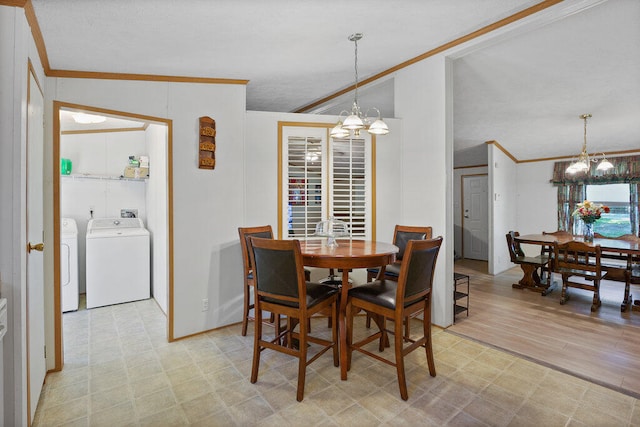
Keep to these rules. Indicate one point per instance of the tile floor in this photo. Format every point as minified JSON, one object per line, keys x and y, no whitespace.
{"x":120,"y":371}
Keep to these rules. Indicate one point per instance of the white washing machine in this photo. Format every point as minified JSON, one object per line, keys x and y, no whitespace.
{"x":118,"y":261}
{"x":69,"y":264}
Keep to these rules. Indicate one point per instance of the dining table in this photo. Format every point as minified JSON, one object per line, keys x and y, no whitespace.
{"x":348,"y":254}
{"x":611,"y":248}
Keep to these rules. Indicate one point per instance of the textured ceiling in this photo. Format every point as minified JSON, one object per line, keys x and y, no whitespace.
{"x":524,"y":91}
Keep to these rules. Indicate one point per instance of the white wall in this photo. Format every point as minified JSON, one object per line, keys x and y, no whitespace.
{"x":207,"y":203}
{"x":157,"y":218}
{"x":93,"y":156}
{"x":422,"y":100}
{"x":16,"y":49}
{"x":502,"y":208}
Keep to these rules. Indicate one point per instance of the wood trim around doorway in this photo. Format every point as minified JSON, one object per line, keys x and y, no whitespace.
{"x":57,"y":106}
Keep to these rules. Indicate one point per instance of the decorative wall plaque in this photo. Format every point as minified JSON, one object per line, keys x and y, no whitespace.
{"x":207,"y":143}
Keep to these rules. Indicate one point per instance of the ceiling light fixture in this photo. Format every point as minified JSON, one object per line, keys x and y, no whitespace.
{"x":583,"y":164}
{"x":356,"y":120}
{"x":84,"y":118}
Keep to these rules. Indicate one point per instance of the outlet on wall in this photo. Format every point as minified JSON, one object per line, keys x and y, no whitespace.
{"x":205,"y":304}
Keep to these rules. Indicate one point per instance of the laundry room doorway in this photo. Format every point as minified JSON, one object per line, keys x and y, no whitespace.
{"x":113,"y":167}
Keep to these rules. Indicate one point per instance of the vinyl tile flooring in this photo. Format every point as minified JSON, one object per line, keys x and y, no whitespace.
{"x":120,"y":371}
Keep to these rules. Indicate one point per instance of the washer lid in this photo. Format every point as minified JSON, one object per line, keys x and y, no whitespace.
{"x":114,"y":227}
{"x":119,"y":223}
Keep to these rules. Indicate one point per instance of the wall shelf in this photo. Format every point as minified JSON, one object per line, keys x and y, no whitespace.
{"x":85,"y":176}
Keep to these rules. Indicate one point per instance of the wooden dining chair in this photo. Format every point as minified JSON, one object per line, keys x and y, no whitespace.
{"x":401,"y":236}
{"x":281,"y":288}
{"x":264,"y":231}
{"x":621,"y":267}
{"x":547,"y":250}
{"x":529,"y":264}
{"x":579,"y":259}
{"x":398,"y":300}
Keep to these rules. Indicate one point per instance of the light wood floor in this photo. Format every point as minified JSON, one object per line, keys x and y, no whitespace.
{"x":603,"y":347}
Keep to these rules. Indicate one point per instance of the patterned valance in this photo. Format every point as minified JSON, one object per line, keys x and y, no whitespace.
{"x":626,"y":169}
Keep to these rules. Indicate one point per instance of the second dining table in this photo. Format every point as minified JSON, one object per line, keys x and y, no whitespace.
{"x":347,"y":255}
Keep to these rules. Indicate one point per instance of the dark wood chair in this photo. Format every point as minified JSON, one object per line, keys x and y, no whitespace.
{"x":621,"y":267}
{"x":579,"y":259}
{"x":398,"y":300}
{"x":281,"y":288}
{"x":529,"y":264}
{"x":264,"y":231}
{"x":401,"y":236}
{"x":547,"y":250}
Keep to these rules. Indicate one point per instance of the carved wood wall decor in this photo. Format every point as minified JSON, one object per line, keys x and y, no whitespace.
{"x":207,"y":142}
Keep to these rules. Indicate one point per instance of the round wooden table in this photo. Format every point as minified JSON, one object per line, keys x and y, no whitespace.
{"x":349,"y":254}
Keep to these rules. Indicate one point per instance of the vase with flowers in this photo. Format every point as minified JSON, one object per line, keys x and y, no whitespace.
{"x":589,"y":212}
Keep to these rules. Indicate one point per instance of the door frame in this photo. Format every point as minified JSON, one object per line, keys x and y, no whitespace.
{"x":462,"y":221}
{"x":57,"y":303}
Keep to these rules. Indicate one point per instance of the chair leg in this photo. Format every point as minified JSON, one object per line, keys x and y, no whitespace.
{"x":628,"y":298}
{"x":596,"y":296}
{"x":398,"y":344}
{"x":426,"y":327}
{"x":349,"y":321}
{"x":255,"y":366}
{"x":334,"y":334}
{"x":245,"y":314}
{"x":302,"y":360}
{"x":564,"y":296}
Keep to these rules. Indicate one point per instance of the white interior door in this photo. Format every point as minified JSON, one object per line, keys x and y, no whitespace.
{"x":475,"y":217}
{"x":36,"y":366}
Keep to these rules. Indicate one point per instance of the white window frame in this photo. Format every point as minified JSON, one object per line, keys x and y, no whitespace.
{"x":321,"y":132}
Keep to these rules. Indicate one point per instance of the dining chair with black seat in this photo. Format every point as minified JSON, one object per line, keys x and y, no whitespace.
{"x":529,"y":264}
{"x":579,"y":259}
{"x":264,"y":231}
{"x":281,"y":288}
{"x":398,"y":300}
{"x":401,"y":236}
{"x":620,"y":267}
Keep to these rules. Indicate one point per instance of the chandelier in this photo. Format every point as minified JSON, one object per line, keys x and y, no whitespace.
{"x":355,"y":120}
{"x":583,"y":163}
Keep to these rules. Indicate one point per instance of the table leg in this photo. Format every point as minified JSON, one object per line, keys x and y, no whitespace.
{"x":342,"y":323}
{"x":530,"y":280}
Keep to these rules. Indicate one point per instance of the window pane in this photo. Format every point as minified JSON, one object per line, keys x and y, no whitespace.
{"x":616,"y":196}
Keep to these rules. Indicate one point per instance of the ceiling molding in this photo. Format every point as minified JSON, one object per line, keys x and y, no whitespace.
{"x":547,"y":159}
{"x":145,"y":77}
{"x":14,"y":3}
{"x":30,"y":13}
{"x":44,"y":59}
{"x":460,"y":40}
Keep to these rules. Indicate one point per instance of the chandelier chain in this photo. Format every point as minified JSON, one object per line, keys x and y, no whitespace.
{"x":356,"y":69}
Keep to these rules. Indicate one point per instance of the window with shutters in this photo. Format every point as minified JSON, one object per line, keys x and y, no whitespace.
{"x":323,"y":177}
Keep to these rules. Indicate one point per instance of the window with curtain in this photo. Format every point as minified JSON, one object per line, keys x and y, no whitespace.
{"x":324,"y":177}
{"x":574,"y":188}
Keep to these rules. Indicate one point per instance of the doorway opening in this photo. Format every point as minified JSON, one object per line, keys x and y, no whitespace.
{"x":97,"y":155}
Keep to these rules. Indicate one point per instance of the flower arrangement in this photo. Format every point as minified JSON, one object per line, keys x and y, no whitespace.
{"x":590,"y":212}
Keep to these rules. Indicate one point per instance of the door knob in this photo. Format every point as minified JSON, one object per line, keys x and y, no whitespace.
{"x":37,"y":247}
{"x":466,"y":216}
